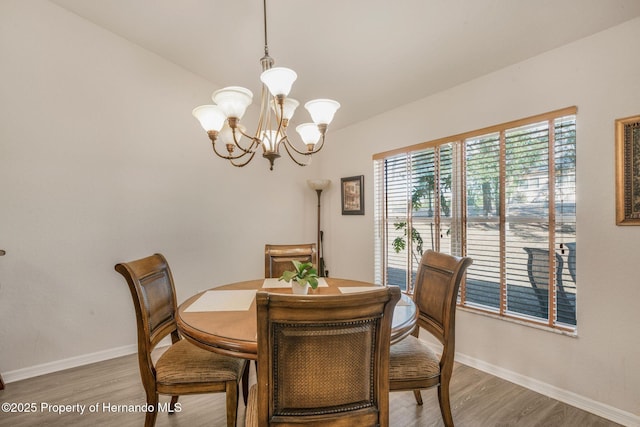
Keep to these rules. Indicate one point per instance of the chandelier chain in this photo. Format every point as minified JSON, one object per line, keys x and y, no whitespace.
{"x":264,"y":15}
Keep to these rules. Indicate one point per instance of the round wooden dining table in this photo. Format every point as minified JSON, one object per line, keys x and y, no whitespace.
{"x":223,"y":320}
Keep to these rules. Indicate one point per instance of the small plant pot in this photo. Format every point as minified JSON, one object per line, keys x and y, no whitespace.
{"x":299,"y":290}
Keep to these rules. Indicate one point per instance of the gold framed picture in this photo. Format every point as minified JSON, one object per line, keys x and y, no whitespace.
{"x":628,"y":171}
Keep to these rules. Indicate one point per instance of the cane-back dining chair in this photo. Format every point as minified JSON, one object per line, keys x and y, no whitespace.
{"x":183,"y":368}
{"x":323,"y":359}
{"x":414,"y":365}
{"x":277,"y":258}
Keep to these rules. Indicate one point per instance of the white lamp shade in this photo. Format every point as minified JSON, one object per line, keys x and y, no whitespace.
{"x":270,"y":140}
{"x":210,"y":117}
{"x":322,"y":110}
{"x":226,"y":134}
{"x":233,"y":100}
{"x":318,"y":184}
{"x":309,"y":133}
{"x":279,"y":80}
{"x":288,"y":108}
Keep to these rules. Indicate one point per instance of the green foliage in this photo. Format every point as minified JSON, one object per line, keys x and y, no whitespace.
{"x":422,"y":196}
{"x":399,"y":243}
{"x":304,"y":273}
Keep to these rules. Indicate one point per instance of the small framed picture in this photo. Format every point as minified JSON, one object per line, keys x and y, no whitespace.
{"x":628,"y":171}
{"x":352,"y":195}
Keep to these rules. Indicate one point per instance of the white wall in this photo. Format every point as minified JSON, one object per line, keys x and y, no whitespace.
{"x":600,"y":75}
{"x":102,"y":162}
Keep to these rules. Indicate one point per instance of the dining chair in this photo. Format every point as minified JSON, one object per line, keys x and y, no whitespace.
{"x":183,"y":368}
{"x":277,"y":258}
{"x":413,"y":364}
{"x":1,"y":383}
{"x":323,"y":359}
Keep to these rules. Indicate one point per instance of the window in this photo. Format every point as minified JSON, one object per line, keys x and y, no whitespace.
{"x":505,"y":196}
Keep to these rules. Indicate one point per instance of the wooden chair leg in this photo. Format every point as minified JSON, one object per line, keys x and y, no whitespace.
{"x":172,"y":405}
{"x":232,"y":403}
{"x":418,"y":396}
{"x":445,"y":404}
{"x":1,"y":383}
{"x":150,"y":418}
{"x":245,"y":383}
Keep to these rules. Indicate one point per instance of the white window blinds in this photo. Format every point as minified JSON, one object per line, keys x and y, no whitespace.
{"x":505,"y":196}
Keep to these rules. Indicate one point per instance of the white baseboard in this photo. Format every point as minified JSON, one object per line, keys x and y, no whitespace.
{"x":72,"y":362}
{"x":602,"y":410}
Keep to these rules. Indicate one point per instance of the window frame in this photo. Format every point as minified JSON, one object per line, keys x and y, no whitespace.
{"x":459,"y":215}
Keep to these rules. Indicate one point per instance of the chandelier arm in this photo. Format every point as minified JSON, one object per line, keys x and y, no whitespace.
{"x":264,"y":111}
{"x":255,"y":142}
{"x":319,"y":147}
{"x":286,"y":147}
{"x":239,"y":165}
{"x":281,"y":121}
{"x":288,"y":143}
{"x":239,"y":156}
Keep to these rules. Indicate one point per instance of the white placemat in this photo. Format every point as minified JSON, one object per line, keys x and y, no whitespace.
{"x":275,"y":283}
{"x":239,"y":300}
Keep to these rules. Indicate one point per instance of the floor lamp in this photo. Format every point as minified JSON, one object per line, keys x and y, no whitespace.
{"x":319,"y":185}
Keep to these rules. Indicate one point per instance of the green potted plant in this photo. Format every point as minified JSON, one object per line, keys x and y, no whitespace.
{"x":304,"y":276}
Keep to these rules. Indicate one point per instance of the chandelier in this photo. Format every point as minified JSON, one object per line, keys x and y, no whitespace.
{"x":222,"y":120}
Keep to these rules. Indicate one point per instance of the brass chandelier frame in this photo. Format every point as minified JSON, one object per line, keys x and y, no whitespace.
{"x":271,"y":132}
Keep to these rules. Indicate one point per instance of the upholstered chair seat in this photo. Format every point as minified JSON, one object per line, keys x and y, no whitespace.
{"x":183,"y":362}
{"x":411,"y":359}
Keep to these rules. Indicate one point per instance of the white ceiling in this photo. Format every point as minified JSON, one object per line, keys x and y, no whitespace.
{"x":370,"y":55}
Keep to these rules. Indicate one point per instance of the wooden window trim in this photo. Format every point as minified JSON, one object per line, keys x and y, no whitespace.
{"x":471,"y":134}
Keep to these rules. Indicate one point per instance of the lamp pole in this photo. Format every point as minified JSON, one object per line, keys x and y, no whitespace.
{"x":318,"y":185}
{"x":320,"y":255}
